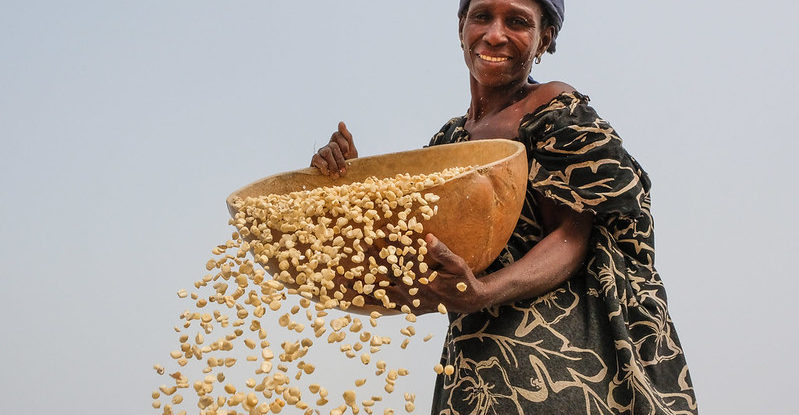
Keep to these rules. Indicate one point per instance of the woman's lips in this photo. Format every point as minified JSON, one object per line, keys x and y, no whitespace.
{"x":488,"y":58}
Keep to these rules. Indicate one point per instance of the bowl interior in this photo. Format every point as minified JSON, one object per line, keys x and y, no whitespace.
{"x":483,"y":153}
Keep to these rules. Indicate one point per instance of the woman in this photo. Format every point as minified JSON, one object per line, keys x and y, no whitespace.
{"x":572,"y":316}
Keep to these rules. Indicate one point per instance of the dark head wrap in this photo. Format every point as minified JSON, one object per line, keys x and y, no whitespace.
{"x":553,"y":8}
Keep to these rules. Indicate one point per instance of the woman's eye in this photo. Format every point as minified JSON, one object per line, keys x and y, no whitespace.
{"x":480,"y":17}
{"x":519,"y":22}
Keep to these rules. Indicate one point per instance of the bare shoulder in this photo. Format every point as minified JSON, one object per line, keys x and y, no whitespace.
{"x":543,"y":93}
{"x":554,"y":88}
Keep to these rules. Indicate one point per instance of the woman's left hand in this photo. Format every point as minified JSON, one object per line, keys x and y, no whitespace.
{"x":452,"y":270}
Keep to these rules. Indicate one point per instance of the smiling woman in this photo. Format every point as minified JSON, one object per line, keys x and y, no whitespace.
{"x":572,"y":316}
{"x":503,"y":41}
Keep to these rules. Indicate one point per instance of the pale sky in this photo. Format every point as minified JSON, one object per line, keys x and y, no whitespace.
{"x":126,"y":124}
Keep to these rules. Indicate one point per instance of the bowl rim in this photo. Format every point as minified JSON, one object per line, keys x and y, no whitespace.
{"x":314,"y":171}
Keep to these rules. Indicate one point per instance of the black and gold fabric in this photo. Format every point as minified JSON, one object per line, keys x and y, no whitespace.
{"x":601,"y":343}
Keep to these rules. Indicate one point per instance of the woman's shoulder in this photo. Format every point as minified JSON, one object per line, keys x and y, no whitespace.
{"x":557,"y":104}
{"x":577,"y":157}
{"x":545,"y":93}
{"x":554,"y":88}
{"x":451,"y":132}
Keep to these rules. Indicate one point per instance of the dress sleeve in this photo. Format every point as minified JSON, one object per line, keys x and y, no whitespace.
{"x":448,"y":133}
{"x":576,"y":158}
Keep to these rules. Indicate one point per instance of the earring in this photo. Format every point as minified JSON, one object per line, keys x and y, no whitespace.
{"x":537,"y":59}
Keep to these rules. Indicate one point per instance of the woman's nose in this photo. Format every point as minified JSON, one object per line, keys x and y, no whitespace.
{"x":495,"y":33}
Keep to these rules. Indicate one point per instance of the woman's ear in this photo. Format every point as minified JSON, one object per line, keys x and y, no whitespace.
{"x":546,"y":39}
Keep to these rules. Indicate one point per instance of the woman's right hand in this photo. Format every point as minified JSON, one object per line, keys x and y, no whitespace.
{"x":331,"y":159}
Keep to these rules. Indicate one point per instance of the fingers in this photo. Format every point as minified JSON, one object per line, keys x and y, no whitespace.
{"x":350,"y":151}
{"x":319,"y":162}
{"x":448,"y":260}
{"x":343,"y":139}
{"x":340,"y":142}
{"x":331,"y":159}
{"x":324,"y":157}
{"x":342,"y":128}
{"x":338,"y":156}
{"x":453,"y":273}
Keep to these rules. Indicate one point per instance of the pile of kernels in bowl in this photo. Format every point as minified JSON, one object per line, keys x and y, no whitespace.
{"x":334,"y":247}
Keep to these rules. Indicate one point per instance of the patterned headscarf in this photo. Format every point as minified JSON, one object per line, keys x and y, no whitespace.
{"x":554,"y":8}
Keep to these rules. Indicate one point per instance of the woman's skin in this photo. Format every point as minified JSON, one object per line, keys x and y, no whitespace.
{"x":500,"y":40}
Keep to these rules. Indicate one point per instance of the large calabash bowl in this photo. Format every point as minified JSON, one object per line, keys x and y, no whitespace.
{"x":477,"y":210}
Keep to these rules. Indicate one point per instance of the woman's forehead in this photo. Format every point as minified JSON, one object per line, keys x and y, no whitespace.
{"x":519,"y":4}
{"x":554,"y":8}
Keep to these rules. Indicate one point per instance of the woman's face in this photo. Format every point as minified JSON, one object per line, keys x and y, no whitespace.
{"x":501,"y":38}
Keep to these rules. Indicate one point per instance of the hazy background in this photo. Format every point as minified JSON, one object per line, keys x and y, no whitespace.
{"x":125,"y":124}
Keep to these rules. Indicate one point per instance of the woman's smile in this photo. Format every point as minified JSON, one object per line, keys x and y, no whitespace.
{"x":489,"y":58}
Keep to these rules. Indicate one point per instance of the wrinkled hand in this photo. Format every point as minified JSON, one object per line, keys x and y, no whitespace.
{"x":452,"y":269}
{"x":331,"y":159}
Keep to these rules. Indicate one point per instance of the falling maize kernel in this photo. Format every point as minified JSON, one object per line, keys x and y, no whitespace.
{"x":349,"y":397}
{"x":167,"y":390}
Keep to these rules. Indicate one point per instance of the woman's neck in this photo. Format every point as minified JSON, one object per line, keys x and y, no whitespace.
{"x":489,"y":101}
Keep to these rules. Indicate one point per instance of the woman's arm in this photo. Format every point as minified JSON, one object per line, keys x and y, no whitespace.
{"x":551,"y":262}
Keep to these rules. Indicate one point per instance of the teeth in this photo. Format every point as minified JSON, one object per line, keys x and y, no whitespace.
{"x":492,"y":58}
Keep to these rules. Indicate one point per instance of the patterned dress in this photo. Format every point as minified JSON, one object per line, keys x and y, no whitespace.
{"x":603,"y":341}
